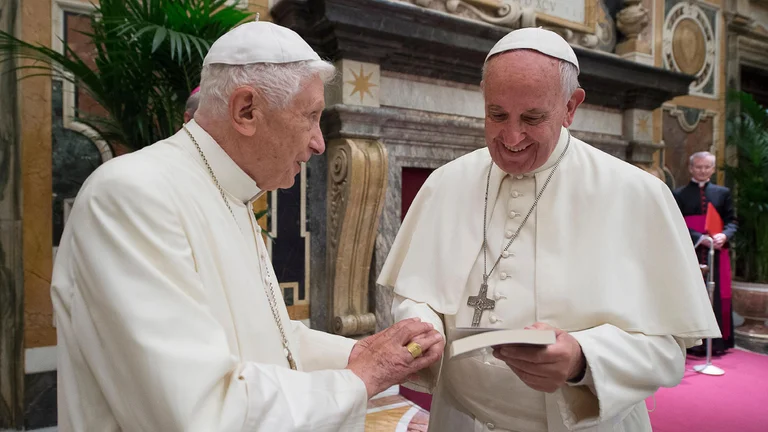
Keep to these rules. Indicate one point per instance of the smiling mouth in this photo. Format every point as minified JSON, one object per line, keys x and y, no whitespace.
{"x":517,"y":149}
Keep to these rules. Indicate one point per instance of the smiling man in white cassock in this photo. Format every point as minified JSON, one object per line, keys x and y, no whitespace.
{"x":577,"y":241}
{"x":169,"y":314}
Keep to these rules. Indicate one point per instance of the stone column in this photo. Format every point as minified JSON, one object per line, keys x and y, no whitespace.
{"x":638,"y":131}
{"x":11,"y":267}
{"x":345,"y":196}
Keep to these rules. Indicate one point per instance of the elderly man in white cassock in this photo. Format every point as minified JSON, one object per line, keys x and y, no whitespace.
{"x":550,"y":233}
{"x":169,"y":314}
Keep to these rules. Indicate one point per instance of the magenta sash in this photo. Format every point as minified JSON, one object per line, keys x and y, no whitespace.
{"x":696,"y":223}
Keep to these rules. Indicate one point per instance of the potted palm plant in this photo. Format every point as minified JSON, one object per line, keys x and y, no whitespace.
{"x":148,"y":57}
{"x":747,"y":130}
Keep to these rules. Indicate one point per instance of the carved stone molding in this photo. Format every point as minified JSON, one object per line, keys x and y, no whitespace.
{"x":490,"y":11}
{"x":631,"y":21}
{"x":406,"y":39}
{"x":752,"y":52}
{"x":596,"y":33}
{"x":688,"y":118}
{"x":357,"y":182}
{"x":640,"y":153}
{"x":401,"y":126}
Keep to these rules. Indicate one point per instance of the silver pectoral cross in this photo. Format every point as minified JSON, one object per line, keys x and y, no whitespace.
{"x":481,"y":303}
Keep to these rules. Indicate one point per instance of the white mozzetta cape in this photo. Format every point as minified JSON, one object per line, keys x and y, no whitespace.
{"x":610,"y":246}
{"x":163,"y":321}
{"x":606,"y":256}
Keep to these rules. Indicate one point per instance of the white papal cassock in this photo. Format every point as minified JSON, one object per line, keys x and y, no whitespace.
{"x":163,"y":320}
{"x":605,"y":256}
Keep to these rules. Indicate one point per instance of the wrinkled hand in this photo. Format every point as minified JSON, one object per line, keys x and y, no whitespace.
{"x":544,"y":368}
{"x":719,"y":240}
{"x":382,"y":360}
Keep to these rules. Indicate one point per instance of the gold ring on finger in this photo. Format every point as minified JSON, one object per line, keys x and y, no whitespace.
{"x":415,"y":349}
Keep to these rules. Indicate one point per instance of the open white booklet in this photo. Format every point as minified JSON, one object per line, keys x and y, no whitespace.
{"x":469,"y":339}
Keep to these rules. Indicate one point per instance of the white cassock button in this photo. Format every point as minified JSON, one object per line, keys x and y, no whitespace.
{"x":515,"y":194}
{"x":519,"y":177}
{"x":512,"y":214}
{"x":500,"y":296}
{"x":503,"y":275}
{"x":493,"y":319}
{"x":490,"y":426}
{"x":508,"y":233}
{"x":505,"y":254}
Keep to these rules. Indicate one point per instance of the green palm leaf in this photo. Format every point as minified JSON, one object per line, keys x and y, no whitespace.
{"x":747,"y":132}
{"x":148,"y":57}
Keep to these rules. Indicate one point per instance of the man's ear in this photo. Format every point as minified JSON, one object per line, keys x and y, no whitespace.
{"x":573,"y":103}
{"x":246,"y":106}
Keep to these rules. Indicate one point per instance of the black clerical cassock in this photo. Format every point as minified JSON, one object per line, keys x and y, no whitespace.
{"x":693,"y":200}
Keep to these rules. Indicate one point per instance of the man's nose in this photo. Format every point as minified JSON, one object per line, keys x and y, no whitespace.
{"x":513,"y":134}
{"x":317,"y":144}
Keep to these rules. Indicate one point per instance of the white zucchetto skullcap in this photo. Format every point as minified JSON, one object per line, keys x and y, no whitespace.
{"x":544,"y":41}
{"x":259,"y":42}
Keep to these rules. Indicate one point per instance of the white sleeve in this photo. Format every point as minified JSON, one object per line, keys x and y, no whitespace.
{"x":623,"y":369}
{"x":321,"y":350}
{"x":404,"y":308}
{"x":161,"y":359}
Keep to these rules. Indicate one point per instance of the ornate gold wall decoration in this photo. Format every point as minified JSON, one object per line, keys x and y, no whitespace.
{"x":357,"y":181}
{"x":690,"y":45}
{"x":361,"y":83}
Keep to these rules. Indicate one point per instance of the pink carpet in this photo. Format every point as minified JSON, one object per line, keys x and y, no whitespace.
{"x":734,"y":402}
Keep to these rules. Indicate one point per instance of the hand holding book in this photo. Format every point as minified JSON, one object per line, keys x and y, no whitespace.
{"x":545,"y":367}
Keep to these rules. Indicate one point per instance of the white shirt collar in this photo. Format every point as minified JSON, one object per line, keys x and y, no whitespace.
{"x":559,"y":149}
{"x":232,"y":179}
{"x":701,"y":184}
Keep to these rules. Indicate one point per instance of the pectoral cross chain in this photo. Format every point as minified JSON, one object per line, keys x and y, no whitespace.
{"x":481,"y":303}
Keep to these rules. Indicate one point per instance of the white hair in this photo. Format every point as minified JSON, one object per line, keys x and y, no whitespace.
{"x":569,"y":77}
{"x":279,"y":83}
{"x":701,"y":155}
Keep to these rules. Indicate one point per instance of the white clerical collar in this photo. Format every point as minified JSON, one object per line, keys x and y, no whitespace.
{"x":231,"y":178}
{"x":701,"y":184}
{"x":559,"y":148}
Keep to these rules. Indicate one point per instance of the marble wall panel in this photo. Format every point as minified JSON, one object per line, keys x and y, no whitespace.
{"x":680,"y":143}
{"x":35,"y":105}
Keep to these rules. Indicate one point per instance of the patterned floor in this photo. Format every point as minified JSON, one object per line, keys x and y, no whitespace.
{"x":390,"y":412}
